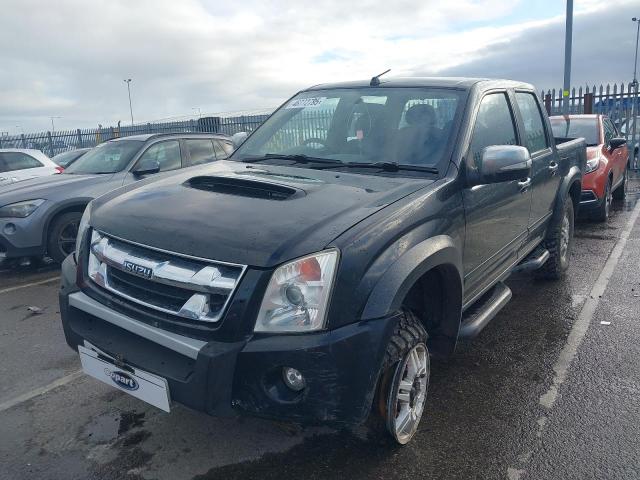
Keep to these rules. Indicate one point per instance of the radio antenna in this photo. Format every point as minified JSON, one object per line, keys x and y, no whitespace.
{"x":375,"y":81}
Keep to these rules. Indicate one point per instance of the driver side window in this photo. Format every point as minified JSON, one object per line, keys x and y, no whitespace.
{"x":494,"y":126}
{"x":609,"y":130}
{"x":167,"y":154}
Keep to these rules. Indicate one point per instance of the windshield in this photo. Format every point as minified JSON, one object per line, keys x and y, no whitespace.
{"x":108,"y":157}
{"x":407,"y":126}
{"x":567,"y":127}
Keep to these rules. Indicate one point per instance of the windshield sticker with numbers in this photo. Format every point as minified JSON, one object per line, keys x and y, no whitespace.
{"x":306,"y":102}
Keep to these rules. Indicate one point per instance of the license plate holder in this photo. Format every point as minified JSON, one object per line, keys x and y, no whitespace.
{"x":138,"y":383}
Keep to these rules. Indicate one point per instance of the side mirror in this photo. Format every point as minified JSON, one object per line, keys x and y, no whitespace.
{"x":146,"y":167}
{"x":503,"y":163}
{"x":617,"y":142}
{"x":238,"y":139}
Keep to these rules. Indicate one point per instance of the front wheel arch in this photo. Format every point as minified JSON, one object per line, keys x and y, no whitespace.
{"x":428,"y":280}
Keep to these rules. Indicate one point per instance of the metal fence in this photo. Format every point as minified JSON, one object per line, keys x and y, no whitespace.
{"x":60,"y":141}
{"x":619,"y":102}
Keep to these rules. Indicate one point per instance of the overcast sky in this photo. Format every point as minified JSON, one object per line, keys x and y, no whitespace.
{"x":69,"y":58}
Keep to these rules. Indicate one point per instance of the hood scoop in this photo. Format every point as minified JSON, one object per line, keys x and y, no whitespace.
{"x":244,"y":187}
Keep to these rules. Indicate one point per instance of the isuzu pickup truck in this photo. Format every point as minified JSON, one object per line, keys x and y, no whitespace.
{"x":363,"y":228}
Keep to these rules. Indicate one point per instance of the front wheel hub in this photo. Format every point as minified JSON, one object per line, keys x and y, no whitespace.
{"x":408,"y":394}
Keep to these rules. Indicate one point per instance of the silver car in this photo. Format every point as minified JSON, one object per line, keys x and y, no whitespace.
{"x":22,"y":164}
{"x":41,"y":216}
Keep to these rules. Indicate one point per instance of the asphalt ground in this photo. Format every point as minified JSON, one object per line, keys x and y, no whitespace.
{"x":545,"y":392}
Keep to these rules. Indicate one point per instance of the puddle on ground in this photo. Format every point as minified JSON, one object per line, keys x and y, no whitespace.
{"x":102,"y":428}
{"x":109,"y":426}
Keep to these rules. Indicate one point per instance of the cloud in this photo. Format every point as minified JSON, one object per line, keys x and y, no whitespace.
{"x":603,"y":50}
{"x":69,"y":58}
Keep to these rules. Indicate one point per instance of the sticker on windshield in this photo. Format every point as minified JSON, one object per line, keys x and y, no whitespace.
{"x":306,"y":102}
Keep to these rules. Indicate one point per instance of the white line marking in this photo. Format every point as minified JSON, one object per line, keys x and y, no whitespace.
{"x":27,"y":285}
{"x":581,"y":325}
{"x":40,"y":390}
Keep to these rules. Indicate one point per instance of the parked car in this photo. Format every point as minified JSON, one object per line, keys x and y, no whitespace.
{"x":309,"y":278}
{"x":22,"y":164}
{"x":67,"y":158}
{"x":41,"y":216}
{"x":607,"y":159}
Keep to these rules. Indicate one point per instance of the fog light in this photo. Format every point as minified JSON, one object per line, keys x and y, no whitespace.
{"x":9,"y":229}
{"x":293,"y":379}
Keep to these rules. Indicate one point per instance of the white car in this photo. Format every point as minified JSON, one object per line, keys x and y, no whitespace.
{"x":22,"y":164}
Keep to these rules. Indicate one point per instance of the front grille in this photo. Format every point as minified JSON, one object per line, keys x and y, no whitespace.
{"x":587,"y":196}
{"x":185,"y":287}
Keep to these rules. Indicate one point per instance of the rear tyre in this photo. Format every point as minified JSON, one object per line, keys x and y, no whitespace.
{"x":621,"y":192}
{"x":402,"y":392}
{"x":62,"y":236}
{"x":558,"y":242}
{"x":602,"y":214}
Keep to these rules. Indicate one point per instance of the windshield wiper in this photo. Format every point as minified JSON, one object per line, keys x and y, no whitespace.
{"x":392,"y":167}
{"x":298,"y":158}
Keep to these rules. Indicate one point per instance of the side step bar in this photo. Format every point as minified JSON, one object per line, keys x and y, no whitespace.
{"x":479,"y":315}
{"x":533,"y":261}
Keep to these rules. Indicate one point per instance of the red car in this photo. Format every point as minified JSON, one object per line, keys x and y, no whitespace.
{"x":607,"y":156}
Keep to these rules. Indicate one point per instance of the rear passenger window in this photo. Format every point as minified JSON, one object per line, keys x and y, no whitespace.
{"x":494,"y":126}
{"x":200,"y":151}
{"x":535,"y":138}
{"x":11,"y":161}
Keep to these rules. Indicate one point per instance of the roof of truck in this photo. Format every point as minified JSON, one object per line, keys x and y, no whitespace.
{"x":450,"y":82}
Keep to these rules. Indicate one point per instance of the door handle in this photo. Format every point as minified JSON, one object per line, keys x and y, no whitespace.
{"x":553,"y":168}
{"x":524,"y":185}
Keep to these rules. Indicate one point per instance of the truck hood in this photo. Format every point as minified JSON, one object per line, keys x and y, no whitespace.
{"x":48,"y":187}
{"x":258,"y":215}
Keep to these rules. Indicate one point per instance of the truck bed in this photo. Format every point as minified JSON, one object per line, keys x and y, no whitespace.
{"x":572,"y":151}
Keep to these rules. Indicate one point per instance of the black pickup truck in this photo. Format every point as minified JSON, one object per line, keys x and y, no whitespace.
{"x":362,"y":228}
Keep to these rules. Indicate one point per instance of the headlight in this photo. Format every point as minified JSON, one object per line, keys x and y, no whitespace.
{"x":297,"y":295}
{"x":592,"y":165}
{"x":20,"y":209}
{"x":83,"y":227}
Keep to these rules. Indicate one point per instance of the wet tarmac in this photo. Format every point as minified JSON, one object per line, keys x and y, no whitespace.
{"x":486,"y":416}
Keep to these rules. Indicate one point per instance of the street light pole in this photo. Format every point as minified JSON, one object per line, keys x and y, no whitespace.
{"x":53,"y":126}
{"x":635,"y":62}
{"x":567,"y":57}
{"x":634,"y":106}
{"x":128,"y":82}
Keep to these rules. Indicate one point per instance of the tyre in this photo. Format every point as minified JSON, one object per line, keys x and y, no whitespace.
{"x":621,"y":192}
{"x":602,"y":214}
{"x":558,"y":242}
{"x":62,"y":235}
{"x":402,"y":392}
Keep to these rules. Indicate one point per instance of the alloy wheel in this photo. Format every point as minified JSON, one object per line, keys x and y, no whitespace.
{"x":408,"y":394}
{"x":67,"y":237}
{"x":565,"y":236}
